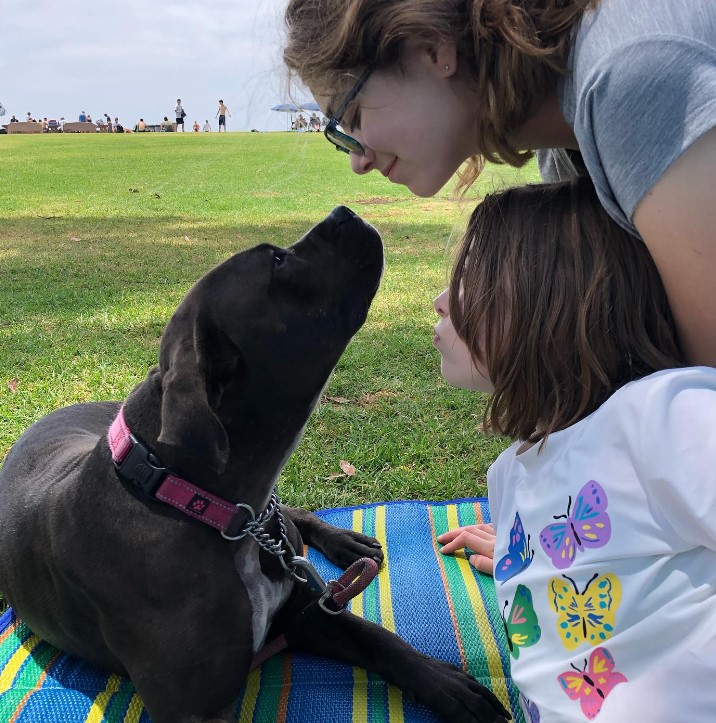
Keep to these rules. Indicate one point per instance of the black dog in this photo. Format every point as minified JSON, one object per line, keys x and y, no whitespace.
{"x":103,"y":552}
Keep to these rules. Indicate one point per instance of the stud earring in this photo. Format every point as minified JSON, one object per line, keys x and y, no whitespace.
{"x":447,"y":67}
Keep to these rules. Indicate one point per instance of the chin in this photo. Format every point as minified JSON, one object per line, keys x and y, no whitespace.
{"x":426,"y":188}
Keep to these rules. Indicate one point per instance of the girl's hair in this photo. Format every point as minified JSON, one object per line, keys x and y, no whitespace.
{"x":560,"y":304}
{"x":513,"y":52}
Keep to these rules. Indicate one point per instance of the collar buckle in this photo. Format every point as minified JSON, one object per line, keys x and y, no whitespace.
{"x":141,"y":468}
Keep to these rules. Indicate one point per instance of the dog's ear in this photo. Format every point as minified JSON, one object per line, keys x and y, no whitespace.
{"x":188,"y":421}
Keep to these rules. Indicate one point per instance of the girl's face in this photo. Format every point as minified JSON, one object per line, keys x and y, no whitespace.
{"x":416,"y":123}
{"x":456,"y":365}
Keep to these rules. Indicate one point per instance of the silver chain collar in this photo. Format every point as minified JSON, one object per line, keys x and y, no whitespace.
{"x":255,"y":527}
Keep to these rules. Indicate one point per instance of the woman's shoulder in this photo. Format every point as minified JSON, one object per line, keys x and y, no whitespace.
{"x":640,"y":89}
{"x":615,"y":24}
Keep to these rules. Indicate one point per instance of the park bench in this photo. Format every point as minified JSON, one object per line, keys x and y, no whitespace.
{"x":79,"y":127}
{"x":24,"y":127}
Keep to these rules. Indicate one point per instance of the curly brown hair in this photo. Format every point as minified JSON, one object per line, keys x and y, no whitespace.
{"x":513,"y":52}
{"x":560,"y":304}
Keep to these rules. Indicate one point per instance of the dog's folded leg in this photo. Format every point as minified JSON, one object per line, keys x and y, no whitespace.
{"x":445,"y":689}
{"x":341,"y":547}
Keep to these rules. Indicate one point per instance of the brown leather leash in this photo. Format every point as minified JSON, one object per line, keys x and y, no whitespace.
{"x":333,"y":600}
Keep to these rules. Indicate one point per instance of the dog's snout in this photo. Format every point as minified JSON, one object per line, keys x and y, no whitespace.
{"x":342,"y":214}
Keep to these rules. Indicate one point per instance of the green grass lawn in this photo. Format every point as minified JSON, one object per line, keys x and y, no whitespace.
{"x":100,"y":237}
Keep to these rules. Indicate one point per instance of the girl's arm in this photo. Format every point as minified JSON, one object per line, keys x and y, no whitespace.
{"x":677,"y":220}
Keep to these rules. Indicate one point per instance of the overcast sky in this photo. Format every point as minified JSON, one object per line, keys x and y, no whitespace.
{"x":134,"y":58}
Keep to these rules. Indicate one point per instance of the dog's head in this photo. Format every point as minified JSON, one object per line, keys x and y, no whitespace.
{"x":259,"y":335}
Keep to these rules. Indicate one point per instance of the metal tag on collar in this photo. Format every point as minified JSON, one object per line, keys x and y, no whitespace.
{"x":141,"y":467}
{"x":309,"y":575}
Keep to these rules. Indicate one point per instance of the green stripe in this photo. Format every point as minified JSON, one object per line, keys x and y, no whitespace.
{"x":9,"y":703}
{"x":28,"y":677}
{"x":467,"y":516}
{"x":377,"y":687}
{"x":467,"y":625}
{"x":270,"y":690}
{"x":34,"y":667}
{"x":117,"y":707}
{"x":377,"y":699}
{"x":13,"y":642}
{"x":371,"y":606}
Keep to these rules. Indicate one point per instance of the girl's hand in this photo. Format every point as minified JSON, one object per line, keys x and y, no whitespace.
{"x":480,"y":539}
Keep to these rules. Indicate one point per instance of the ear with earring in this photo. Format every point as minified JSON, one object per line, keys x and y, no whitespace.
{"x":447,"y":67}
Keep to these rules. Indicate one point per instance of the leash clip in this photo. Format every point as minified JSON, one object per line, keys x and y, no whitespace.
{"x":310,"y":576}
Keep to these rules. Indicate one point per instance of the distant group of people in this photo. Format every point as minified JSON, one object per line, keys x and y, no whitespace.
{"x":105,"y":123}
{"x":170,"y":126}
{"x":49,"y":125}
{"x":313,"y":124}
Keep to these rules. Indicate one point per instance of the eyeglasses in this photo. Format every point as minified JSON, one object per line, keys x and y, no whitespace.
{"x":342,"y":141}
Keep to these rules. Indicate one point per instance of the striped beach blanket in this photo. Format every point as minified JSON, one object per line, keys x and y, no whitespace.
{"x":437,"y":603}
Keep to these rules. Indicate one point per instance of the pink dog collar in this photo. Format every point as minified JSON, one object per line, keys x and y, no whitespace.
{"x":137,"y":464}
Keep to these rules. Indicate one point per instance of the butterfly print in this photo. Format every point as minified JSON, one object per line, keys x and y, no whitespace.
{"x":586,"y":617}
{"x":530,"y":710}
{"x":521,"y":625}
{"x":588,"y":525}
{"x":591,"y":685}
{"x":518,"y":557}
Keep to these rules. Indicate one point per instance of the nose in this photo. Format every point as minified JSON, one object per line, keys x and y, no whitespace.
{"x":342,"y":214}
{"x":362,"y":163}
{"x":442,"y":304}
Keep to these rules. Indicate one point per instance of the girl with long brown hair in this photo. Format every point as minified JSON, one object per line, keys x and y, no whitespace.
{"x":604,"y":533}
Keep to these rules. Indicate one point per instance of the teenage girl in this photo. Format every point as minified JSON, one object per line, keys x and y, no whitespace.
{"x":624,"y":89}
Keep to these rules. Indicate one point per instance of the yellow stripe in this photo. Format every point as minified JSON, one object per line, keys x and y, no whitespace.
{"x":386,"y":603}
{"x":395,"y":697}
{"x":99,"y":704}
{"x":16,"y":661}
{"x":360,"y":678}
{"x":360,"y":696}
{"x":248,"y":704}
{"x":134,"y":710}
{"x":356,"y":604}
{"x":494,"y":663}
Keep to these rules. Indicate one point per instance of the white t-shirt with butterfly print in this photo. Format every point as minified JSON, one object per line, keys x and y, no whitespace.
{"x":605,"y":557}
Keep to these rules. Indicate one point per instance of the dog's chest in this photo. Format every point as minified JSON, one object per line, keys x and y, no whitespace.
{"x":266,"y":596}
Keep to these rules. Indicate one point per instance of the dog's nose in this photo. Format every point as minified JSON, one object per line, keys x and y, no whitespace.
{"x":341,"y":214}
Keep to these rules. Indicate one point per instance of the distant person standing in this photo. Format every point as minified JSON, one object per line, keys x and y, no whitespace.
{"x":222,"y":113}
{"x":108,"y":123}
{"x":207,"y":127}
{"x":196,"y":128}
{"x":179,"y":115}
{"x":83,"y":117}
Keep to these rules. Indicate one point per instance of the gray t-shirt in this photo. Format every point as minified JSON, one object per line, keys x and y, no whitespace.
{"x":641,"y":88}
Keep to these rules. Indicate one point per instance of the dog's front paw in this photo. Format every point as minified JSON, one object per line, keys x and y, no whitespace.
{"x":457,"y":697}
{"x":344,"y":547}
{"x":341,"y":547}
